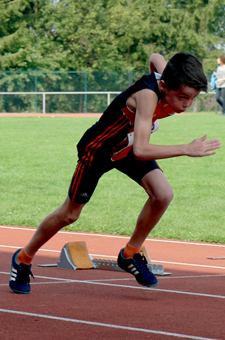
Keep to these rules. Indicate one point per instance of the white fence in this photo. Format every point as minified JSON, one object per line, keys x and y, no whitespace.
{"x":108,"y":94}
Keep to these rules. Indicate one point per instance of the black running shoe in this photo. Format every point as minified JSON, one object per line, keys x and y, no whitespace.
{"x":19,"y":280}
{"x":137,"y":266}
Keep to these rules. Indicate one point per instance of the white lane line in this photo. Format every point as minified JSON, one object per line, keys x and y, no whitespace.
{"x":188,"y":264}
{"x":121,"y":279}
{"x":101,"y":324}
{"x":115,"y":257}
{"x":40,"y":283}
{"x":101,"y":256}
{"x":158,"y":290}
{"x":168,"y":262}
{"x":47,"y":277}
{"x":191,"y":276}
{"x":122,"y":237}
{"x":41,"y":249}
{"x":168,"y":277}
{"x":17,"y":228}
{"x":130,"y":287}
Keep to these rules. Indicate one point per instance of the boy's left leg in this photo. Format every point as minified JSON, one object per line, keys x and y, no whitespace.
{"x":160,"y":195}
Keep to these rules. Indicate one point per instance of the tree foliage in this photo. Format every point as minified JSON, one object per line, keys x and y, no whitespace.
{"x":107,"y":34}
{"x":15,"y":20}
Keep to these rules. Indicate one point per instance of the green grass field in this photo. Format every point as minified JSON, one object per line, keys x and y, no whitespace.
{"x":38,"y":157}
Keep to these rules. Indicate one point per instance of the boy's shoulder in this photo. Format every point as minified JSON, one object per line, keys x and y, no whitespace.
{"x":149,"y":78}
{"x":148,"y":82}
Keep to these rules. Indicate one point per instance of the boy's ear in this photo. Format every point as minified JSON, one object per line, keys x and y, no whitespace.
{"x":162,"y":86}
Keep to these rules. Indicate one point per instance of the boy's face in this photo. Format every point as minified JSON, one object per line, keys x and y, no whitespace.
{"x":179,"y":100}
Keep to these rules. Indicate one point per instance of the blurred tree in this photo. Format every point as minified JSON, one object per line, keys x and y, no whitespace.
{"x":15,"y":37}
{"x":107,"y":34}
{"x":73,"y":35}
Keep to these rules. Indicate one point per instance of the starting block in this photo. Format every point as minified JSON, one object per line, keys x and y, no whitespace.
{"x":74,"y":255}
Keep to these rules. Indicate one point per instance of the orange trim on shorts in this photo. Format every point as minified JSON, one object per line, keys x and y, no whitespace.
{"x":76,"y":179}
{"x":99,"y":140}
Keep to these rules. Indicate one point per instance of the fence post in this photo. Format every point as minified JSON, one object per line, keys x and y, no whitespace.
{"x":85,"y":90}
{"x":108,"y":98}
{"x":131,"y":77}
{"x":35,"y":89}
{"x":43,"y":102}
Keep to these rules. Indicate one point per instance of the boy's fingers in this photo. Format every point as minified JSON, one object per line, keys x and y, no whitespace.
{"x":214,"y":144}
{"x":210,"y":153}
{"x":204,"y":137}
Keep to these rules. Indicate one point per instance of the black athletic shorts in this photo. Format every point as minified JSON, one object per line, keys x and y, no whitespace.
{"x":85,"y":177}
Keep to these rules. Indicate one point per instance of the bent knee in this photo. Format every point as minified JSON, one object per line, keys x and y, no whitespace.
{"x":71,"y":218}
{"x":72,"y":215}
{"x":163,"y":198}
{"x":68,"y":216}
{"x":69,"y":213}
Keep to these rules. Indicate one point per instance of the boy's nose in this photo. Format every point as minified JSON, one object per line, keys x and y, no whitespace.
{"x":188,"y":103}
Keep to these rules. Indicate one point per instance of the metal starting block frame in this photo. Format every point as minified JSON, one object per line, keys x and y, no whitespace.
{"x":112,"y":265}
{"x":74,"y":255}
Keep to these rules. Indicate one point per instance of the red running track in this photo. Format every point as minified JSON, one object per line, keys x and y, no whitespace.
{"x":100,"y":304}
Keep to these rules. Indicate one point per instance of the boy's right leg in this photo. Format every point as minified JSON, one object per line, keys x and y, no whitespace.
{"x":66,"y":214}
{"x":82,"y":186}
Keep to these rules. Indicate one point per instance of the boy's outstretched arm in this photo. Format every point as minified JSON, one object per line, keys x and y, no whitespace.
{"x":157,"y":63}
{"x":146,"y":101}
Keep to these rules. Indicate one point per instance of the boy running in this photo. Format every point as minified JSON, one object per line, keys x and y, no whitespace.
{"x":120,"y":140}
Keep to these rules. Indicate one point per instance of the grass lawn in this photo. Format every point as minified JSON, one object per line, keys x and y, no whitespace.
{"x":38,"y":157}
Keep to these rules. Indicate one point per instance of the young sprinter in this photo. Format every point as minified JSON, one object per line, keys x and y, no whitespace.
{"x":120,"y":140}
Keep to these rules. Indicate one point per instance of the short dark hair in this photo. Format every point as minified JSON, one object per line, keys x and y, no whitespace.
{"x":184,"y":69}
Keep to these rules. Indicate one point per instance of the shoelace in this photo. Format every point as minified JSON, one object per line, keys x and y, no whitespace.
{"x":141,"y":263}
{"x":25,"y":273}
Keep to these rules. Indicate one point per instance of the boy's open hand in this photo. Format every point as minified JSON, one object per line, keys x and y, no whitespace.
{"x":200,"y":147}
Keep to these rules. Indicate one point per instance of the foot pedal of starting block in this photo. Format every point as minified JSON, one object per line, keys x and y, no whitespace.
{"x":106,"y":265}
{"x":112,"y":265}
{"x":109,"y":265}
{"x":74,"y":255}
{"x":144,"y":252}
{"x":156,"y":269}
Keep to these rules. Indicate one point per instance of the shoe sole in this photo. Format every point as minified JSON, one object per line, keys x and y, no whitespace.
{"x":19,"y":291}
{"x":147,"y":285}
{"x":142,"y":284}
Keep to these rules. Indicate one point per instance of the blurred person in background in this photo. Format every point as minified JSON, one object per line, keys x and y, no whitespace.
{"x":220,"y":85}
